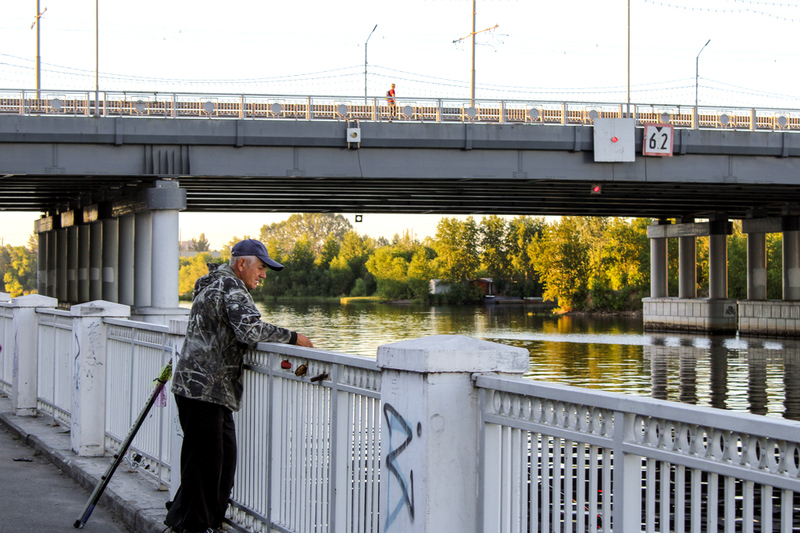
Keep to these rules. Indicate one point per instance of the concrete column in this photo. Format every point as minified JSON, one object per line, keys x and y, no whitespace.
{"x":26,"y":352}
{"x":110,"y":284}
{"x":756,"y":266}
{"x":41,"y":267}
{"x":791,"y":265}
{"x":72,"y":264}
{"x":125,"y":287}
{"x":95,"y":260}
{"x":717,"y":266}
{"x":61,"y":264}
{"x":52,"y":259}
{"x":84,"y":244}
{"x":89,"y":392}
{"x":142,"y":269}
{"x":430,"y":434}
{"x":166,"y":259}
{"x":687,"y":267}
{"x":658,"y":268}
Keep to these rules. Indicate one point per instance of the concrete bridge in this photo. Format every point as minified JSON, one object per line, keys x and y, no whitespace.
{"x":111,"y":175}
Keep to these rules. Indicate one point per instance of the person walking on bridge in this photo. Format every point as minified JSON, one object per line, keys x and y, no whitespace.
{"x":207,"y":383}
{"x":392,"y":104}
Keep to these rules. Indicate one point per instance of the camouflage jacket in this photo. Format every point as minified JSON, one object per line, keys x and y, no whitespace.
{"x":223,"y":324}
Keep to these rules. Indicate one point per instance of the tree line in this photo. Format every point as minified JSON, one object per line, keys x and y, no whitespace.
{"x":584,"y":263}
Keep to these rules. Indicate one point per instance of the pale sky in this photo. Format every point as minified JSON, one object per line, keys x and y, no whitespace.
{"x":572,"y":50}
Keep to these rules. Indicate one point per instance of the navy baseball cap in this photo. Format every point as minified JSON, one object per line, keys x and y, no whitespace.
{"x":256,"y":248}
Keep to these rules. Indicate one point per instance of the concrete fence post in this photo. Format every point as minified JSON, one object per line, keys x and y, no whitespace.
{"x":26,"y":352}
{"x":430,"y":431}
{"x":89,"y":339}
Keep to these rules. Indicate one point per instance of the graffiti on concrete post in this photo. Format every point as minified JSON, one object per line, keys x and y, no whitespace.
{"x":395,"y":422}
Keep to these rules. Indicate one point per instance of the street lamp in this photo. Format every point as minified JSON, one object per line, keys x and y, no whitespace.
{"x":697,"y":72}
{"x":365,"y":63}
{"x":96,"y":57}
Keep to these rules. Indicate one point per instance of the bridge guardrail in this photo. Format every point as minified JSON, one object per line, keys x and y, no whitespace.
{"x":340,"y":108}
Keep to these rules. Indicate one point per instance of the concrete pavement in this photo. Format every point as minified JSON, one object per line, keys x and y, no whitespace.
{"x":47,"y":487}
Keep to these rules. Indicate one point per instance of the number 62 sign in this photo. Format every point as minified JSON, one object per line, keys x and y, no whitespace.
{"x":657,"y":139}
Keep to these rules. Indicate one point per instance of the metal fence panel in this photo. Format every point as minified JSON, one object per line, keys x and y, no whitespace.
{"x":588,"y":460}
{"x":6,"y":347}
{"x":321,"y":429}
{"x":136,"y":353}
{"x":55,"y":365}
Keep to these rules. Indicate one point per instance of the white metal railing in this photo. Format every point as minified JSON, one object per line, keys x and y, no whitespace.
{"x":251,"y":106}
{"x":559,"y":458}
{"x":55,"y":367}
{"x":135,"y":354}
{"x":6,"y":347}
{"x":312,"y":461}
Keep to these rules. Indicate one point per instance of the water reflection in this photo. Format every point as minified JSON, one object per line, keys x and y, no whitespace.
{"x":609,"y":353}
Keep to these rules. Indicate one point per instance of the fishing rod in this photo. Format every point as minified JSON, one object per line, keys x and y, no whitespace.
{"x":161,"y":382}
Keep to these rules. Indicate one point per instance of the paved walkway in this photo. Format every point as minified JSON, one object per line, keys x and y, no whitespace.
{"x":47,"y":489}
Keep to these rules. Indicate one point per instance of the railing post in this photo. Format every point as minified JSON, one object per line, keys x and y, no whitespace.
{"x":431,"y":429}
{"x":26,"y":352}
{"x":89,"y":341}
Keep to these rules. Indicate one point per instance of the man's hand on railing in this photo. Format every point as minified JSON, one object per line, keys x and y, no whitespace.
{"x":302,"y":340}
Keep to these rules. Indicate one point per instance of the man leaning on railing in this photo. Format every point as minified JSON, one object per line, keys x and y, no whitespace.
{"x":207,"y":383}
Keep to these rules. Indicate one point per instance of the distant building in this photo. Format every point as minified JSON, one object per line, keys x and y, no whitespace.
{"x":437,"y":286}
{"x":215,"y":255}
{"x":486,"y":285}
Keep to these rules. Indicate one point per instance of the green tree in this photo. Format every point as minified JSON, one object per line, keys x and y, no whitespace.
{"x":737,"y":262}
{"x":191,"y":269}
{"x":774,"y":266}
{"x":329,"y":251}
{"x":494,"y":251}
{"x":200,"y":244}
{"x":521,"y":232}
{"x":316,"y":227}
{"x":19,"y":270}
{"x":562,"y":260}
{"x":456,"y":245}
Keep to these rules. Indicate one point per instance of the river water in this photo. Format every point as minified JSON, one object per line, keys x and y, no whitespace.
{"x":761,"y":376}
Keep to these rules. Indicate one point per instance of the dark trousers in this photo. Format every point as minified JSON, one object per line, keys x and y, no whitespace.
{"x":208,"y":464}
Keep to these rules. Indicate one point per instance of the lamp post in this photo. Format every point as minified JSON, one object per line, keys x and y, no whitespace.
{"x":365,"y":63}
{"x":697,"y":72}
{"x":628,"y":99}
{"x":96,"y":57}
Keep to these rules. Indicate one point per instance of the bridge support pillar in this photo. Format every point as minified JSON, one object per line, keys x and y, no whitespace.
{"x":687,"y":265}
{"x":659,"y":265}
{"x":109,"y":277}
{"x":758,"y":315}
{"x":126,"y":259}
{"x":72,"y":264}
{"x":143,"y":260}
{"x":61,"y":264}
{"x":96,"y":260}
{"x":756,"y":266}
{"x":717,"y":267}
{"x":157,"y":250}
{"x":791,"y":265}
{"x":713,"y":314}
{"x":84,"y":244}
{"x":41,"y":268}
{"x":52,"y":251}
{"x":430,"y":436}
